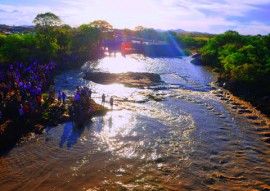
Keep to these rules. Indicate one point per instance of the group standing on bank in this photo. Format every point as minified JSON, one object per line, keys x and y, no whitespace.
{"x":22,"y":87}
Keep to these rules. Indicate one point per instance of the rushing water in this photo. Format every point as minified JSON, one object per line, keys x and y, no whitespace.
{"x":194,"y":138}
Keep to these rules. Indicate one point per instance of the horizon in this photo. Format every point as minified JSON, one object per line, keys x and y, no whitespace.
{"x":205,"y":16}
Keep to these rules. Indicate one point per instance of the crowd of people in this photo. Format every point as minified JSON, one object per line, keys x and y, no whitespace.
{"x":80,"y":108}
{"x":21,"y":87}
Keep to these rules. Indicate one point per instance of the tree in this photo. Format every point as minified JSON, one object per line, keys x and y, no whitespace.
{"x":17,"y":47}
{"x":105,"y":28}
{"x":63,"y":35}
{"x":47,"y":35}
{"x":128,"y":32}
{"x":148,"y":33}
{"x":85,"y":42}
{"x":139,"y":28}
{"x":47,"y":19}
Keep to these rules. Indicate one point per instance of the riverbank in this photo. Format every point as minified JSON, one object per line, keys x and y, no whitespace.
{"x":256,"y":94}
{"x":14,"y":129}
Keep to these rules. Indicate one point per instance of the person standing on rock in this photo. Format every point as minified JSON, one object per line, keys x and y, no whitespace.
{"x":103,"y":100}
{"x":64,"y":97}
{"x":59,"y":96}
{"x":111,"y":102}
{"x":52,"y":92}
{"x":90,"y":94}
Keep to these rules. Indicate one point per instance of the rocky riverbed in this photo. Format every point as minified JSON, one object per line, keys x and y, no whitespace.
{"x":129,"y":79}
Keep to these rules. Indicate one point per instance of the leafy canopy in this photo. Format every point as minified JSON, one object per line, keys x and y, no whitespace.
{"x":47,"y":19}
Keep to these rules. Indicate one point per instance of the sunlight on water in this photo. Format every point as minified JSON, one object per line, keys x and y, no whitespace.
{"x":117,"y":123}
{"x":118,"y":90}
{"x":179,"y":138}
{"x":120,"y":64}
{"x":115,"y":126}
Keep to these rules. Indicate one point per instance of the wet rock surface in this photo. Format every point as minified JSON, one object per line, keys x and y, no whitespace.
{"x":196,"y":59}
{"x":130,"y":79}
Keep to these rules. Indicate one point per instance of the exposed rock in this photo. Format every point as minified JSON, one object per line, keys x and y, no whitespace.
{"x":196,"y":56}
{"x":130,"y":79}
{"x":252,"y":117}
{"x":196,"y":59}
{"x":244,"y":111}
{"x":196,"y":62}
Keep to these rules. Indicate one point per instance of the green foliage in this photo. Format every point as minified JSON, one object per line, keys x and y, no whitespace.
{"x":148,"y":33}
{"x":186,"y":41}
{"x":86,"y":40}
{"x":187,"y":52}
{"x":104,"y":27}
{"x":45,"y":115}
{"x":46,"y":101}
{"x":17,"y":47}
{"x":54,"y":42}
{"x":243,"y":58}
{"x":47,"y":19}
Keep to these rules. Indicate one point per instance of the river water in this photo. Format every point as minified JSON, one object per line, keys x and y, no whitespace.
{"x":184,"y":134}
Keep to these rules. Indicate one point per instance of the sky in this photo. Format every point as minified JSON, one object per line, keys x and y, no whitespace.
{"x":248,"y":17}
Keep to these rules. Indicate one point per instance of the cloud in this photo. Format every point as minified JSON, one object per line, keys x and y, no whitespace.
{"x":216,"y":16}
{"x":253,"y":27}
{"x":8,"y":11}
{"x":20,"y":15}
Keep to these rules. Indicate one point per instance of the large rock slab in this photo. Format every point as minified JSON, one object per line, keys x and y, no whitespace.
{"x":130,"y":79}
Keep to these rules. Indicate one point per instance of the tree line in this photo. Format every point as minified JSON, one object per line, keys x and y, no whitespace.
{"x":53,"y":41}
{"x":244,"y":61}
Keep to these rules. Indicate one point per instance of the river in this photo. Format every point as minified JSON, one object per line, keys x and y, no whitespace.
{"x":191,"y":136}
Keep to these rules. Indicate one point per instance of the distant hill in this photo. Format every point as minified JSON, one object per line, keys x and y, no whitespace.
{"x":172,"y":30}
{"x":183,"y":31}
{"x":16,"y":29}
{"x":178,"y":30}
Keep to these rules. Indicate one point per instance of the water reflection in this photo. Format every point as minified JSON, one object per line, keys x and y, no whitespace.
{"x":71,"y":134}
{"x":187,"y":141}
{"x":116,"y":64}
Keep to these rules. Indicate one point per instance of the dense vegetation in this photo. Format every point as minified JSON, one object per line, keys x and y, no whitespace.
{"x":241,"y":59}
{"x":52,"y":41}
{"x":244,"y":64}
{"x":189,"y":42}
{"x":244,"y":59}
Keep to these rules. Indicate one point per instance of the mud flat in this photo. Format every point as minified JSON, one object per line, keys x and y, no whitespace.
{"x":130,"y":79}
